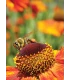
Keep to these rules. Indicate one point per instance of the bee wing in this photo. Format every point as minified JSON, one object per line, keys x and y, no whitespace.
{"x":27,"y":34}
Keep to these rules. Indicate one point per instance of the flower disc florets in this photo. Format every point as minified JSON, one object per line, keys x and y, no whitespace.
{"x":34,"y":59}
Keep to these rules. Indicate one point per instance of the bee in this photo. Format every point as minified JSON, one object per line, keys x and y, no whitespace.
{"x":22,"y":42}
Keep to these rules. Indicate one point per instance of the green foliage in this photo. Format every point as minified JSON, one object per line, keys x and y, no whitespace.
{"x":28,"y":26}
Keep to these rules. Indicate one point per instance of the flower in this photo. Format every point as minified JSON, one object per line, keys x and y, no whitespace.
{"x":28,"y":16}
{"x":8,"y":23}
{"x":15,"y":29}
{"x":16,"y":5}
{"x":52,"y":27}
{"x":11,"y":72}
{"x":7,"y":35}
{"x":7,"y":48}
{"x":58,"y":14}
{"x":37,"y":61}
{"x":38,"y":6}
{"x":19,"y":21}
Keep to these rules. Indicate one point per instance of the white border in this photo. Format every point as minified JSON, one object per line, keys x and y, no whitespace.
{"x":67,"y":40}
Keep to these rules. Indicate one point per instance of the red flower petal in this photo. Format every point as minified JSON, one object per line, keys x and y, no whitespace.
{"x":60,"y":56}
{"x":16,"y":5}
{"x":11,"y":73}
{"x":29,"y":78}
{"x":47,"y":76}
{"x":58,"y":71}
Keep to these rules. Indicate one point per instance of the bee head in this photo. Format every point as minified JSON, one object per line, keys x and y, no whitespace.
{"x":19,"y":43}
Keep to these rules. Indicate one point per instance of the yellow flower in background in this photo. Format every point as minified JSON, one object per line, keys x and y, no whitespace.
{"x":17,"y":5}
{"x":52,"y":27}
{"x":37,"y":61}
{"x":38,"y":6}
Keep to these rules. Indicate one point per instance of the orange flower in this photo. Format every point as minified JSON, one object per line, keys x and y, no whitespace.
{"x":38,"y":6}
{"x":58,"y":14}
{"x":17,"y":5}
{"x":15,"y":29}
{"x":47,"y":60}
{"x":28,"y":16}
{"x":11,"y":72}
{"x":19,"y":21}
{"x":7,"y":48}
{"x":52,"y":27}
{"x":8,"y":24}
{"x":7,"y":35}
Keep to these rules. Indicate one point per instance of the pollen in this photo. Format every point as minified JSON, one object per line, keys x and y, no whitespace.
{"x":34,"y":59}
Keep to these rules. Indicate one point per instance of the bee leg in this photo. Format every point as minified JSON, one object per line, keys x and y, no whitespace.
{"x":31,"y":41}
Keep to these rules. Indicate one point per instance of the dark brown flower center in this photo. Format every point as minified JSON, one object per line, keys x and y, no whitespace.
{"x":35,"y":59}
{"x":31,"y":49}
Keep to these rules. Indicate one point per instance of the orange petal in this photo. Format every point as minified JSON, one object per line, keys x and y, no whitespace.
{"x":58,"y":71}
{"x":7,"y":35}
{"x":28,"y":16}
{"x":15,"y":29}
{"x":11,"y":73}
{"x":29,"y":78}
{"x":16,"y":5}
{"x":9,"y":4}
{"x":7,"y":48}
{"x":60,"y":56}
{"x":38,"y":6}
{"x":47,"y":76}
{"x":10,"y":68}
{"x":18,"y":8}
{"x":19,"y":21}
{"x":58,"y":13}
{"x":51,"y":27}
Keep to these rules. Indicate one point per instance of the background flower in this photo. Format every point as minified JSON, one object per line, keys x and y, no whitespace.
{"x":52,"y":27}
{"x":58,"y":13}
{"x":23,"y":17}
{"x":7,"y":35}
{"x":38,"y":6}
{"x":16,"y":5}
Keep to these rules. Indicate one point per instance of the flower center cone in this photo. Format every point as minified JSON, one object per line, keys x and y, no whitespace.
{"x":34,"y":59}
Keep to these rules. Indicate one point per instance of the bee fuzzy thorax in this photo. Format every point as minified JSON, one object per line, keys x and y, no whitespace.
{"x":22,"y":42}
{"x":19,"y":43}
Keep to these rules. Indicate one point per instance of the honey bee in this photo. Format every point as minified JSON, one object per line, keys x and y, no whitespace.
{"x":22,"y":42}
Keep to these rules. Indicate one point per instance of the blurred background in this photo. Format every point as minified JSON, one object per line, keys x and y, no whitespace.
{"x":45,"y":18}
